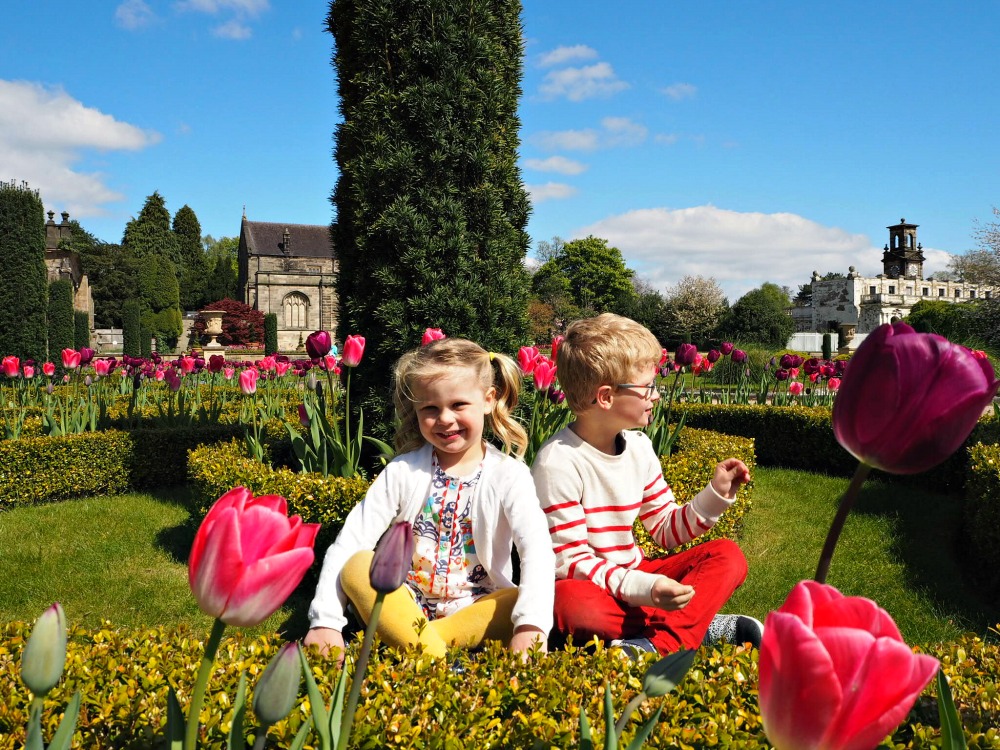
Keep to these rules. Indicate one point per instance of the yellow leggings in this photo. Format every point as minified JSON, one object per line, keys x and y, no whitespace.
{"x":402,"y":622}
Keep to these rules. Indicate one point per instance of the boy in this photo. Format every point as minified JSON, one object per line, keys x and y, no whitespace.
{"x":598,"y":474}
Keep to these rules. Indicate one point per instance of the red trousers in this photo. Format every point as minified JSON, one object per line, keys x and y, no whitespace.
{"x":715,"y":569}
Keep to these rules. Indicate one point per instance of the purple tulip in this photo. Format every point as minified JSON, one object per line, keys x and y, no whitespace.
{"x":685,"y":354}
{"x":86,"y":355}
{"x":739,"y":355}
{"x":713,"y":355}
{"x":909,"y":400}
{"x":393,"y":558}
{"x":781,"y":374}
{"x":318,"y":344}
{"x":726,"y":348}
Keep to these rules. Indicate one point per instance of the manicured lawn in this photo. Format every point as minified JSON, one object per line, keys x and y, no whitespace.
{"x":123,"y":559}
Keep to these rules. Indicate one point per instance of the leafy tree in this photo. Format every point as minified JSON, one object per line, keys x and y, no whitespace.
{"x":597,"y":276}
{"x":760,"y":316}
{"x":953,"y":320}
{"x":430,"y":207}
{"x":23,"y":283}
{"x":982,"y":264}
{"x":114,"y":278}
{"x":60,"y":318}
{"x":694,"y":306}
{"x":193,"y":268}
{"x":132,"y":328}
{"x":803,"y":297}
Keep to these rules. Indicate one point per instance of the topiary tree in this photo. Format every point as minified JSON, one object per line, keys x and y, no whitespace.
{"x":132,"y":328}
{"x":429,"y":194}
{"x":62,"y":330}
{"x":827,"y":345}
{"x":270,"y":334}
{"x":81,"y":329}
{"x":23,"y":283}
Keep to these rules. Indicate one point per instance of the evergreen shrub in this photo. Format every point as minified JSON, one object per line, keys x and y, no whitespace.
{"x":24,"y":281}
{"x":81,"y":329}
{"x":982,"y":516}
{"x":270,"y":334}
{"x":62,"y":332}
{"x":132,"y":332}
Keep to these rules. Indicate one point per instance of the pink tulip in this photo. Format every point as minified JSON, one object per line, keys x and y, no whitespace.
{"x":186,"y":364}
{"x":909,"y":400}
{"x":431,"y":334}
{"x":158,"y":375}
{"x":49,"y":369}
{"x":29,"y":372}
{"x":544,"y":373}
{"x":248,"y":556}
{"x":795,"y":388}
{"x":267,"y":364}
{"x":835,"y":673}
{"x":280,"y":367}
{"x":11,"y":366}
{"x":70,"y":359}
{"x":318,"y":344}
{"x":102,"y":366}
{"x":556,"y":341}
{"x":329,"y":362}
{"x":833,"y":384}
{"x":664,"y":357}
{"x":228,"y":372}
{"x":248,"y":381}
{"x":354,"y":349}
{"x":526,"y":358}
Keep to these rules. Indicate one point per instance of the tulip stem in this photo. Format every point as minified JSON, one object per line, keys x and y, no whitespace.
{"x":360,"y":667}
{"x":846,"y":503}
{"x":201,"y":683}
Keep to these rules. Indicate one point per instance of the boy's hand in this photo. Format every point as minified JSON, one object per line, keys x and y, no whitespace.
{"x":326,"y":639}
{"x":669,"y":594}
{"x":729,"y":476}
{"x":525,"y":638}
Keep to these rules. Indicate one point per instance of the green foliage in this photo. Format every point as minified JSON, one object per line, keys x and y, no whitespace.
{"x":827,"y":346}
{"x":242,"y":324}
{"x":760,"y":316}
{"x":150,"y":234}
{"x":270,"y":333}
{"x":160,"y":296}
{"x":132,"y":331}
{"x":24,"y":278}
{"x":113,"y":275}
{"x":192,"y":271}
{"x":429,"y":196}
{"x":221,"y":262}
{"x":81,"y":329}
{"x":60,"y":318}
{"x":982,"y":514}
{"x":498,"y":700}
{"x":592,"y":273}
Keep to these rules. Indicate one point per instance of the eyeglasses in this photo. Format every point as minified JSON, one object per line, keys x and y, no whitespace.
{"x":647,"y":392}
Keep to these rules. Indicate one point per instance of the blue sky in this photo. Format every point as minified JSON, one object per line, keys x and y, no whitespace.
{"x":747,"y":142}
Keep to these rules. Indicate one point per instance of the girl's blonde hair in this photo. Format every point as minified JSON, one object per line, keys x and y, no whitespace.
{"x":443,"y":357}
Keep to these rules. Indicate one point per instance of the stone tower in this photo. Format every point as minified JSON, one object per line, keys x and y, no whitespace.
{"x":903,"y":256}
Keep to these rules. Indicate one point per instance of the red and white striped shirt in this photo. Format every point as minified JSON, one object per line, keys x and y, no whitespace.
{"x":591,"y":500}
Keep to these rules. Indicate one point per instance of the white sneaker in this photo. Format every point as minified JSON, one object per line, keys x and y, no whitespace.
{"x":735,"y":629}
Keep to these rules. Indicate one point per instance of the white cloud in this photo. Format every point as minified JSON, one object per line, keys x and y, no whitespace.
{"x":559,"y":164}
{"x":134,"y":14}
{"x":740,"y":250}
{"x":566,"y":140}
{"x":550,"y":191}
{"x":615,"y":132}
{"x":243,"y":7}
{"x":621,"y":131}
{"x":233,"y":29}
{"x":44,"y":132}
{"x":563,"y":55}
{"x":678,"y":91}
{"x":577,"y":84}
{"x":667,"y":139}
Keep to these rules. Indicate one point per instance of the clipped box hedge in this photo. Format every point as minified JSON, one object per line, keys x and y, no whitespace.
{"x":498,"y":701}
{"x":982,"y":515}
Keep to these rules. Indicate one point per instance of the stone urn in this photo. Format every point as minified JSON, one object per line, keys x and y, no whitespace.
{"x":213,"y":327}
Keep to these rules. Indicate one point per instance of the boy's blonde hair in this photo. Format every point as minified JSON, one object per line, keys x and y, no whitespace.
{"x":605,"y":350}
{"x":443,"y":357}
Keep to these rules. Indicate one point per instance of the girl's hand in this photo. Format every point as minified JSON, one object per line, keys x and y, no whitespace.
{"x":669,"y":594}
{"x":525,"y":638}
{"x":326,"y":639}
{"x":729,"y":476}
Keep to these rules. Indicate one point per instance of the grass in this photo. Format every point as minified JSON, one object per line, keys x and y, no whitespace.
{"x":124,"y":559}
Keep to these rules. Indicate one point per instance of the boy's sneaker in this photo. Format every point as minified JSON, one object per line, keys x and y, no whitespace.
{"x":634,"y":648}
{"x":735,"y":629}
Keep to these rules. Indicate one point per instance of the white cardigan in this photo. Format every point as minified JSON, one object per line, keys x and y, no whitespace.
{"x":505,"y":511}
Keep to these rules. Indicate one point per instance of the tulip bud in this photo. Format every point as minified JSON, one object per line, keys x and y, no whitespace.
{"x":49,"y":389}
{"x":739,"y":355}
{"x":303,"y":415}
{"x":278,"y":687}
{"x":393,"y":558}
{"x":685,"y":354}
{"x":318,"y":344}
{"x":45,"y":654}
{"x":726,"y":348}
{"x":311,"y":381}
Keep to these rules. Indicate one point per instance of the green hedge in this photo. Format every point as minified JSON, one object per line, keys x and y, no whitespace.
{"x":498,"y":701}
{"x":982,"y":515}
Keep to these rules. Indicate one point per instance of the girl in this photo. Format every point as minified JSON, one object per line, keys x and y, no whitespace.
{"x":468,"y":502}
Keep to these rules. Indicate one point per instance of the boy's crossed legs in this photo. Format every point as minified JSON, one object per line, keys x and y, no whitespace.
{"x":715,"y":569}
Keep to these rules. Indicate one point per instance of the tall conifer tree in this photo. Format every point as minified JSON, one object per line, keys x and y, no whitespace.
{"x":192,"y":274}
{"x":430,"y":208}
{"x":23,"y":282}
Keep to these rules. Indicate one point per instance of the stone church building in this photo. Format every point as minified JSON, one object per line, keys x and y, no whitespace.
{"x":288,"y":269}
{"x":859,"y":304}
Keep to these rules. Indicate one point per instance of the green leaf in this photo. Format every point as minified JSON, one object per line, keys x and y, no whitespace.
{"x":175,"y":721}
{"x":644,"y":731}
{"x":610,"y":737}
{"x":337,"y":705}
{"x":319,"y":713}
{"x":237,"y":740}
{"x":300,"y":737}
{"x":665,"y":674}
{"x":67,"y":725}
{"x":586,"y":738}
{"x":952,"y":734}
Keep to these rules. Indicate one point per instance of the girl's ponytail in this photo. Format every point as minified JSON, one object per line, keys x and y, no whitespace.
{"x":507,"y":381}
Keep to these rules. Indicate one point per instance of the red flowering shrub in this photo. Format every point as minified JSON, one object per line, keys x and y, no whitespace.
{"x":241,"y":324}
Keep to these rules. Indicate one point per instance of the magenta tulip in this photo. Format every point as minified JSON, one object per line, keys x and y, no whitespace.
{"x":29,"y":372}
{"x":526,"y":358}
{"x":303,"y":416}
{"x":11,"y":366}
{"x":431,"y":334}
{"x":248,"y":381}
{"x":738,"y":355}
{"x":685,"y":354}
{"x":726,"y":348}
{"x":835,"y":673}
{"x":909,"y":400}
{"x":544,"y":373}
{"x":102,"y":366}
{"x":86,"y":355}
{"x":713,"y":355}
{"x":70,"y":359}
{"x":393,"y":558}
{"x":354,"y":350}
{"x":318,"y":344}
{"x":248,"y":556}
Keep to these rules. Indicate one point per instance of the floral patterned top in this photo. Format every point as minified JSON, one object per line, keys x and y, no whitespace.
{"x":446,"y":573}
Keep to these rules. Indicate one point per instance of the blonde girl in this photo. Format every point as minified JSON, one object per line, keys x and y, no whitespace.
{"x":470,"y":505}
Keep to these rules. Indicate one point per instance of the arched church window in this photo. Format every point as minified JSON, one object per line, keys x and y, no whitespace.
{"x":295,"y":308}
